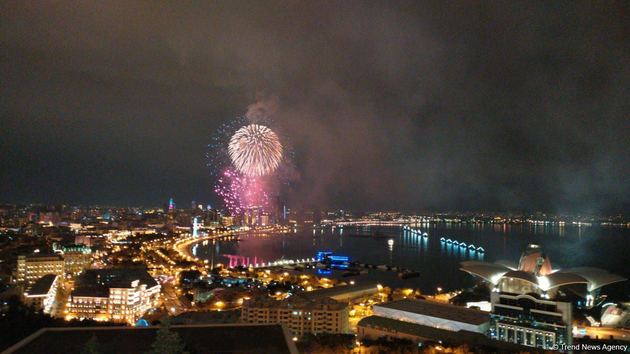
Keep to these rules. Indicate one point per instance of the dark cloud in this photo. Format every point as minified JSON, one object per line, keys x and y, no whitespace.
{"x":449,"y":105}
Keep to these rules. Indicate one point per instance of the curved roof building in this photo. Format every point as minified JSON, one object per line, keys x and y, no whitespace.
{"x":534,"y":274}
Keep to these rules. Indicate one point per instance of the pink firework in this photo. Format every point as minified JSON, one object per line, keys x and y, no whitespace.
{"x":240,"y":192}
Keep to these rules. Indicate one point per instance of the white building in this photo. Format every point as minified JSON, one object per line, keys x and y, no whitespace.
{"x":119,"y":295}
{"x":435,"y":314}
{"x":34,"y":266}
{"x":41,"y":295}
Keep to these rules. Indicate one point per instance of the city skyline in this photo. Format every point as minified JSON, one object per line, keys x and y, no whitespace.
{"x":314,"y":177}
{"x":408,"y":106}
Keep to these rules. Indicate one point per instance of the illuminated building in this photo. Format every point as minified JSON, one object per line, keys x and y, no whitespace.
{"x":299,"y":314}
{"x":41,"y":295}
{"x":332,"y":260}
{"x":377,"y":328}
{"x":616,"y":315}
{"x":195,"y":226}
{"x":227,"y":221}
{"x":529,"y":306}
{"x":119,"y":295}
{"x":76,"y":258}
{"x":87,"y":240}
{"x":434,"y":314}
{"x":171,"y":205}
{"x":343,"y":293}
{"x":34,"y":266}
{"x":264,"y":220}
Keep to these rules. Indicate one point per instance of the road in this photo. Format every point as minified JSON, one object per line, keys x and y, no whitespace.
{"x":607,"y":332}
{"x":171,"y":299}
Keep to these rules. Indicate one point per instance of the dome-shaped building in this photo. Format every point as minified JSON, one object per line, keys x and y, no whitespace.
{"x":535,"y":275}
{"x":525,"y":306}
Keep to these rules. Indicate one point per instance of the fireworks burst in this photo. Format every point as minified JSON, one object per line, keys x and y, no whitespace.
{"x":248,"y":163}
{"x":217,"y":156}
{"x":255,"y":150}
{"x":240,"y":193}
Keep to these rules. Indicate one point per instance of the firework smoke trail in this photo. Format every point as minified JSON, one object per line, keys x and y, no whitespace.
{"x":255,"y":150}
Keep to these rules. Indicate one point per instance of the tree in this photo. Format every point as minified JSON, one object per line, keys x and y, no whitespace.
{"x":91,"y":346}
{"x":167,"y":341}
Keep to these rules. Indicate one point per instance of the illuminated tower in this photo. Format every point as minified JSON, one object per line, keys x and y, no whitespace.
{"x":195,"y":227}
{"x":171,"y":205}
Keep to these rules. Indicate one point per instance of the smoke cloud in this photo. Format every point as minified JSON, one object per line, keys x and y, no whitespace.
{"x":262,"y":109}
{"x":388,"y":105}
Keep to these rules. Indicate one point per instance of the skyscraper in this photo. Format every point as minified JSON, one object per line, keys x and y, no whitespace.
{"x":171,"y":205}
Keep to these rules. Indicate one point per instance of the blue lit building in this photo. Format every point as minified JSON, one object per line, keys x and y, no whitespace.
{"x":333,"y":260}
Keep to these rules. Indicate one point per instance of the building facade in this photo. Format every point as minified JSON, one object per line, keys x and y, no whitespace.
{"x":527,"y":320}
{"x":32,"y":267}
{"x":41,"y":295}
{"x":77,"y":258}
{"x":528,"y":306}
{"x":300,"y":315}
{"x":119,"y":295}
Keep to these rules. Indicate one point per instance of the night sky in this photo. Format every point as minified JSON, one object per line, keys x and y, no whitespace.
{"x":511,"y":105}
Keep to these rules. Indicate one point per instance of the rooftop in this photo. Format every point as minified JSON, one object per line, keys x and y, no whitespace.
{"x":535,"y":268}
{"x":223,"y":339}
{"x":42,"y":285}
{"x":438,"y":310}
{"x":116,"y":277}
{"x":297,"y":302}
{"x":42,"y":257}
{"x":339,"y":291}
{"x":97,"y":282}
{"x":432,"y":333}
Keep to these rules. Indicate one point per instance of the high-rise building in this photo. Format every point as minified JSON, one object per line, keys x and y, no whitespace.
{"x":171,"y":205}
{"x":34,"y":266}
{"x":195,"y":226}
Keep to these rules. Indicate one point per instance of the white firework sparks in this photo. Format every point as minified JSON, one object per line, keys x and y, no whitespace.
{"x":255,"y":150}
